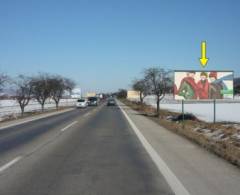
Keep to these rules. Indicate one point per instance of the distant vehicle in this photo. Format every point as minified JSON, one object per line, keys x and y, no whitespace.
{"x":92,"y":101}
{"x":82,"y":103}
{"x":111,"y":102}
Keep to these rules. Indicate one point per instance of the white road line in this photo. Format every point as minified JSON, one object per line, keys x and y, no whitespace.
{"x":172,"y":180}
{"x":9,"y":164}
{"x":65,"y":128}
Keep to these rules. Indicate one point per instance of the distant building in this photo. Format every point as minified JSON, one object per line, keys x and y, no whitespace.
{"x":133,"y":95}
{"x":91,"y":94}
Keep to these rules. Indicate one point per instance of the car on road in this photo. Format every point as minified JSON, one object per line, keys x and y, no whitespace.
{"x":111,"y":102}
{"x":82,"y":103}
{"x":92,"y":101}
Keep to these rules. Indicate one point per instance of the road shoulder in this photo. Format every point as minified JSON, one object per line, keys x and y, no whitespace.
{"x":199,"y":171}
{"x":12,"y":123}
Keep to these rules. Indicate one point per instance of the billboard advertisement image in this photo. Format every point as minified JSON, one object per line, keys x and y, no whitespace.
{"x":203,"y":85}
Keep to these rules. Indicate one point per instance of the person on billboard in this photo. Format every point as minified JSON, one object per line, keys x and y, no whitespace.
{"x":188,"y":87}
{"x":203,"y":86}
{"x":215,"y":87}
{"x":175,"y":90}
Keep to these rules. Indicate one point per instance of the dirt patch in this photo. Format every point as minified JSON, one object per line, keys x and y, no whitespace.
{"x":223,"y":139}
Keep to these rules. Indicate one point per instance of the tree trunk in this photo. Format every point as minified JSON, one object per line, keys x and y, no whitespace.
{"x":141,"y":98}
{"x":158,"y":106}
{"x":57,"y":102}
{"x":42,"y":105}
{"x":22,"y":110}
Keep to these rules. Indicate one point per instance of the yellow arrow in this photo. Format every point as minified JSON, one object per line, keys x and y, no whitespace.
{"x":203,"y":59}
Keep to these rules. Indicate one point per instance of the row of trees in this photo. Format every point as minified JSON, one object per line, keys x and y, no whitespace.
{"x":121,"y":94}
{"x":3,"y":79}
{"x":156,"y":81}
{"x":40,"y":87}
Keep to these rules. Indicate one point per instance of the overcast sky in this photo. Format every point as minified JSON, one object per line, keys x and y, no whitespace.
{"x":103,"y":45}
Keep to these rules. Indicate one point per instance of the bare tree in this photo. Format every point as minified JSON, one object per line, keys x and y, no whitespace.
{"x":141,"y":85}
{"x":236,"y":86}
{"x":158,"y":79}
{"x":69,"y":84}
{"x":122,"y":93}
{"x":41,"y":88}
{"x":58,"y":85}
{"x":57,"y":89}
{"x":23,"y":91}
{"x":3,"y":79}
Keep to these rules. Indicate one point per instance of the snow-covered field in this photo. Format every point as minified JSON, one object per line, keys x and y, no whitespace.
{"x":11,"y":107}
{"x":225,"y":110}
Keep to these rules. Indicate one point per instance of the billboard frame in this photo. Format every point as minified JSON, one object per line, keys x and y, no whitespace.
{"x":199,"y":70}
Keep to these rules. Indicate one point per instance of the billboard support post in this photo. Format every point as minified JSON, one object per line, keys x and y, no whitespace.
{"x":183,"y":114}
{"x":183,"y":110}
{"x":214,"y":111}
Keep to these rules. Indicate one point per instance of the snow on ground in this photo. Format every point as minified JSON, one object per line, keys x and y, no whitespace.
{"x":11,"y":107}
{"x":225,"y":110}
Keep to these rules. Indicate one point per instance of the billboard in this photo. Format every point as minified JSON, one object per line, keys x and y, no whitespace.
{"x":203,"y":85}
{"x":131,"y":94}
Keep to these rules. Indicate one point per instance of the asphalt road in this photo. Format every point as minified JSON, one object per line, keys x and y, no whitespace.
{"x":13,"y":137}
{"x":90,"y":151}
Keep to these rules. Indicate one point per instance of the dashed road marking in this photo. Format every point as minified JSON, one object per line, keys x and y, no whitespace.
{"x":68,"y":126}
{"x":9,"y":164}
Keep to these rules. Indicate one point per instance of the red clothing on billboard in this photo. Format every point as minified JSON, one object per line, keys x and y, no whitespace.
{"x":203,"y":89}
{"x":175,"y":91}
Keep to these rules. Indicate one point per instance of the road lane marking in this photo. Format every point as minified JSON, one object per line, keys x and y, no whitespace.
{"x":170,"y":177}
{"x":9,"y":164}
{"x":68,"y":126}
